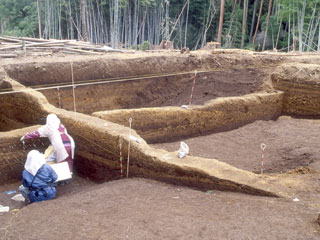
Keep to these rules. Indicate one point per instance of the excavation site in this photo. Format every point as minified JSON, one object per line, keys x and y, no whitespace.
{"x":251,"y":121}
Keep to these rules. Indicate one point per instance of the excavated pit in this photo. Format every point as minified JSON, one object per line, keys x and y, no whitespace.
{"x":150,"y":90}
{"x":105,"y":85}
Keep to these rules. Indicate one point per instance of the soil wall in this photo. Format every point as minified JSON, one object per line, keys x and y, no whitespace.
{"x":20,"y":110}
{"x":39,"y":73}
{"x":172,"y":123}
{"x":13,"y":153}
{"x":220,"y":79}
{"x":301,"y":86}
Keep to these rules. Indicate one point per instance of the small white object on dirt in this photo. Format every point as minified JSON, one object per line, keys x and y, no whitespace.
{"x":18,"y":198}
{"x":167,"y":157}
{"x":296,"y":200}
{"x":185,"y":106}
{"x":133,"y":138}
{"x":4,"y":208}
{"x":183,"y":150}
{"x":263,"y":146}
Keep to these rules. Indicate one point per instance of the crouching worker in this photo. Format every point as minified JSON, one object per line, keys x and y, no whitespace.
{"x":37,"y":179}
{"x":62,"y":142}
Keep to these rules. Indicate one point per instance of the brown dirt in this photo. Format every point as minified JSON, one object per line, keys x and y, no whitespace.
{"x":226,"y":79}
{"x":291,"y":143}
{"x":145,"y":209}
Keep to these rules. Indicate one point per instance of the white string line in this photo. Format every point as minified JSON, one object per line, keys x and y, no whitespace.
{"x":113,"y":81}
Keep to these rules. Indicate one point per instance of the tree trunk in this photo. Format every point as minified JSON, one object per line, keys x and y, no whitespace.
{"x":178,"y":19}
{"x":83,"y":22}
{"x":253,"y":17}
{"x":244,"y":22}
{"x":39,"y":18}
{"x":268,"y":18}
{"x":257,"y":27}
{"x":301,"y":14}
{"x":167,"y":20}
{"x":278,"y":36}
{"x":116,"y":23}
{"x":185,"y":33}
{"x":319,"y":39}
{"x":221,"y":22}
{"x":229,"y":41}
{"x":289,"y":30}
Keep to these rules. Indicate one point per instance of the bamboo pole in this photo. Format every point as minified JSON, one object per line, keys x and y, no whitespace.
{"x":221,"y":21}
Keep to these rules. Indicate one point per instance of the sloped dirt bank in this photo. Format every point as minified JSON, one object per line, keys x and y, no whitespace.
{"x":168,"y":124}
{"x":291,"y":143}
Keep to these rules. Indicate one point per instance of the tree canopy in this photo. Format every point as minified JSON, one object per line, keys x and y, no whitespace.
{"x":289,"y":24}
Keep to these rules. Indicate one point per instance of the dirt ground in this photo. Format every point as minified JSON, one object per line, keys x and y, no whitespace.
{"x":291,"y":143}
{"x":145,"y":209}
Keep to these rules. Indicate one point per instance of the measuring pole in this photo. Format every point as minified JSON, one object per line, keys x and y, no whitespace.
{"x":73,"y":91}
{"x":128,"y":162}
{"x":194,"y":82}
{"x":59,"y":96}
{"x":121,"y":163}
{"x":263,"y":147}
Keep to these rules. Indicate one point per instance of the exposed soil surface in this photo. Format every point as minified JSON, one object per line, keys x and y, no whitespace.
{"x":291,"y":143}
{"x":144,"y":209}
{"x":220,"y":78}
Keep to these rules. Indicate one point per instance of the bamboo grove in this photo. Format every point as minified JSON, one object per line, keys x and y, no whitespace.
{"x":250,"y":24}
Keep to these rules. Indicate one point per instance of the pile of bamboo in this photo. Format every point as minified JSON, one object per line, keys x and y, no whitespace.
{"x":15,"y":46}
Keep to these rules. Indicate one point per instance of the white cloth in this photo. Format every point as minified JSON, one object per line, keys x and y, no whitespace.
{"x":50,"y":130}
{"x":35,"y":160}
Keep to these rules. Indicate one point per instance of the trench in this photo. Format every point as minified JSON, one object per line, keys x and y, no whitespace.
{"x":100,"y":91}
{"x":223,"y":100}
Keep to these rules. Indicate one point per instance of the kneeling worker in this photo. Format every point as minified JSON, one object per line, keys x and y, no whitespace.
{"x":37,"y":179}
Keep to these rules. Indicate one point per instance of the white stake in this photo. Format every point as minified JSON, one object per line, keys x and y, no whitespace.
{"x":194,"y":82}
{"x":73,"y":91}
{"x":59,"y":97}
{"x":263,"y":147}
{"x":128,"y":162}
{"x":121,"y":168}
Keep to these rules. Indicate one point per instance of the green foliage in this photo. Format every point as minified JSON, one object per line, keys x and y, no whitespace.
{"x":19,"y":16}
{"x":232,"y":28}
{"x":145,"y":46}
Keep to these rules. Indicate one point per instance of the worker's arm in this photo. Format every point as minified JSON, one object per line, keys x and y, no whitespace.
{"x":32,"y":135}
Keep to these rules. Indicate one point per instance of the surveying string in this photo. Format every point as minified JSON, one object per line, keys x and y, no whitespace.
{"x":108,"y":80}
{"x":194,"y":81}
{"x":128,"y":162}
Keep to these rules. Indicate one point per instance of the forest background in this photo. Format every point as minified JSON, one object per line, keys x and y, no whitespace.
{"x":284,"y":25}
